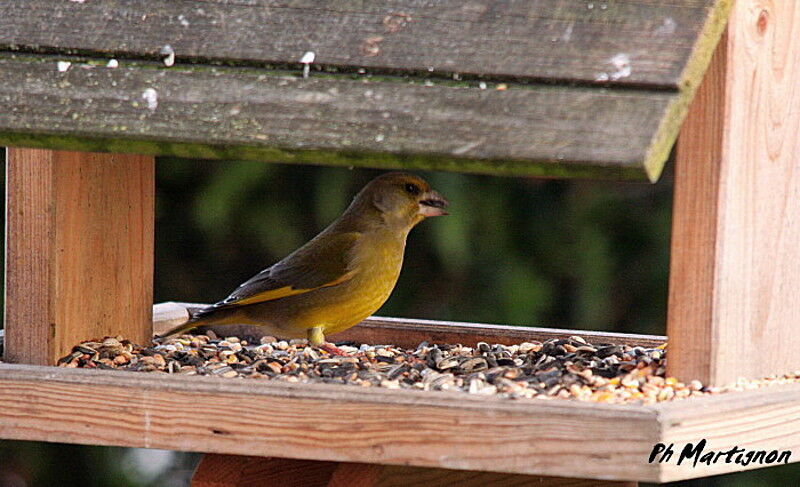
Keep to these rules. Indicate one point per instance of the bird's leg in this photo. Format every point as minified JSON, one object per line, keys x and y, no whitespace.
{"x":317,"y":339}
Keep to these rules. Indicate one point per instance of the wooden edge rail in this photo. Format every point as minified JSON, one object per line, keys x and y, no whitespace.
{"x":397,"y":427}
{"x":326,"y":422}
{"x":409,"y":332}
{"x":766,"y":419}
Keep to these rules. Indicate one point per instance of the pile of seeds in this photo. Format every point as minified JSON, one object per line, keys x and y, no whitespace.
{"x":567,"y":368}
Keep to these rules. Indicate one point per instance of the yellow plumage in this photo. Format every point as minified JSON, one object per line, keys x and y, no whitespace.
{"x":341,"y":276}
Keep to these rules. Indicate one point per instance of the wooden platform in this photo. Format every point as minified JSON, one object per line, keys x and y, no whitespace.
{"x":398,"y":427}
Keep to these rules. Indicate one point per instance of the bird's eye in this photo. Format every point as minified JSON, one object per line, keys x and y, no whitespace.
{"x":412,"y":189}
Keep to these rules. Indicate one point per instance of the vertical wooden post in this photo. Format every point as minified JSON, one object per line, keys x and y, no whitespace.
{"x":734,"y":304}
{"x":79,"y":250}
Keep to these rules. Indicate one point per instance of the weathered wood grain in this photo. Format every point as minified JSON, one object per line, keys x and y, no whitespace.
{"x":247,"y":114}
{"x":630,"y":42}
{"x":735,"y":276}
{"x":412,"y":428}
{"x":544,"y":126}
{"x":169,"y":315}
{"x":326,"y":422}
{"x":371,"y":475}
{"x":79,"y":261}
{"x":247,"y":471}
{"x":767,"y":419}
{"x":409,"y":332}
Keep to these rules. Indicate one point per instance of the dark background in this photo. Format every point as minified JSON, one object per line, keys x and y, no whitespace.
{"x":568,"y":254}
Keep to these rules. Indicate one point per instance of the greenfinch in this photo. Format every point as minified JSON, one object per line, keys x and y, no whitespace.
{"x":339,"y":277}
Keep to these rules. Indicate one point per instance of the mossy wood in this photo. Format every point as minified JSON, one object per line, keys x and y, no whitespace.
{"x":592,"y":88}
{"x":326,"y":120}
{"x":342,"y":423}
{"x":532,"y":40}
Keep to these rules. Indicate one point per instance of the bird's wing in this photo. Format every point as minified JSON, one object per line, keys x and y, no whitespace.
{"x":325,"y":261}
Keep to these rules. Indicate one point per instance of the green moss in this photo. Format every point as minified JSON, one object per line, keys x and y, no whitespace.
{"x":690,"y":79}
{"x":433,"y":162}
{"x":127,"y":140}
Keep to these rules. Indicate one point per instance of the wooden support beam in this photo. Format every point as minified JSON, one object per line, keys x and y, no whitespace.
{"x":372,"y":475}
{"x":735,"y":276}
{"x":247,"y":471}
{"x":79,"y":256}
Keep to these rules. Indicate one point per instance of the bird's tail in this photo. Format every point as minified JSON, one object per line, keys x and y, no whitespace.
{"x":209,"y":316}
{"x":190,"y":324}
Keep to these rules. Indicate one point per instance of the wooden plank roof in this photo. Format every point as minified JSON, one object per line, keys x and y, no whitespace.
{"x":542,"y":87}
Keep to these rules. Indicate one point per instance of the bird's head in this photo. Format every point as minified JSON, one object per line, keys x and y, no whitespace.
{"x":402,"y":199}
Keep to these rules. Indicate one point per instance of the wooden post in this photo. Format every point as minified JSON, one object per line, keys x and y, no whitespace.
{"x":243,"y":471}
{"x":734,"y":303}
{"x":79,"y":250}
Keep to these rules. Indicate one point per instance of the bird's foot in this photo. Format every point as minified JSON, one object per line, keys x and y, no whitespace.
{"x":333,"y":349}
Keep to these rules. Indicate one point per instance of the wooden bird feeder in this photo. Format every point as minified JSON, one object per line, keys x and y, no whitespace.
{"x":555,"y":88}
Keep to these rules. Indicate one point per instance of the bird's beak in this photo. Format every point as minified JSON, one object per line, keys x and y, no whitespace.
{"x":432,"y":204}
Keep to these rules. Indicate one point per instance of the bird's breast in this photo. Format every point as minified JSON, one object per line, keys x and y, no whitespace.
{"x":378,"y":262}
{"x":383,"y":260}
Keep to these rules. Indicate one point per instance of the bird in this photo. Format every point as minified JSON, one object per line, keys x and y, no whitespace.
{"x":339,"y":277}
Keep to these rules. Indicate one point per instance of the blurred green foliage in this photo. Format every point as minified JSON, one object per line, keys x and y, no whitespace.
{"x":589,"y":255}
{"x":568,"y":254}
